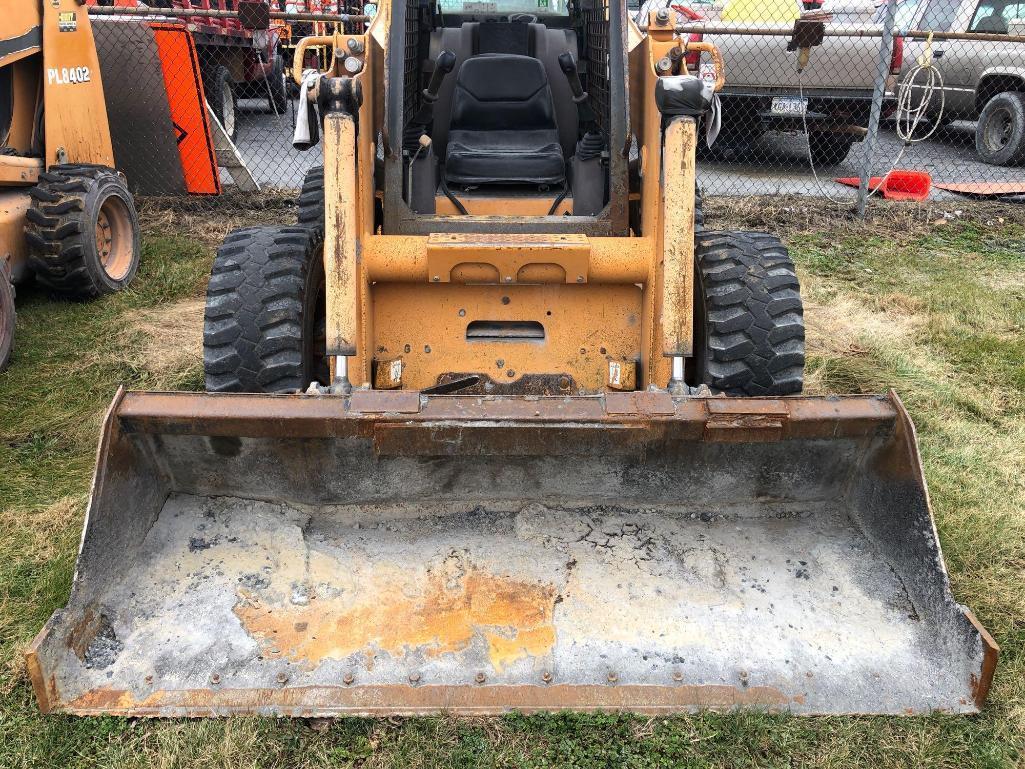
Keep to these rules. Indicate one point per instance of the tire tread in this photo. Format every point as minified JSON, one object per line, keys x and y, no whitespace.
{"x":252,"y":329}
{"x":754,"y":319}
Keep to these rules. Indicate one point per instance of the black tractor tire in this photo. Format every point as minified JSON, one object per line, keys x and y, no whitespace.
{"x":829,"y":149}
{"x":263,"y":329}
{"x":7,"y":318}
{"x":223,"y":99}
{"x":311,"y":199}
{"x":748,"y":318}
{"x":699,"y":213}
{"x":83,"y":231}
{"x":1000,"y":132}
{"x":277,"y":93}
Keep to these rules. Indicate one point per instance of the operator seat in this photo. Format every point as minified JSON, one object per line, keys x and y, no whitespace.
{"x":503,"y":128}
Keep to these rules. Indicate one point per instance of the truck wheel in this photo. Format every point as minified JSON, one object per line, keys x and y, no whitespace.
{"x":748,"y":316}
{"x":82,"y":231}
{"x":1000,"y":132}
{"x":829,"y":149}
{"x":311,"y":199}
{"x":263,"y":330}
{"x":220,"y":94}
{"x":277,"y":95}
{"x":6,"y":318}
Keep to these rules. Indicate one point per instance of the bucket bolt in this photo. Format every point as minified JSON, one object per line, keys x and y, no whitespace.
{"x":480,"y":678}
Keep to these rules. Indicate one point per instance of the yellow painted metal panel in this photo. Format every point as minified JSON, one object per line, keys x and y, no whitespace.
{"x":76,"y":127}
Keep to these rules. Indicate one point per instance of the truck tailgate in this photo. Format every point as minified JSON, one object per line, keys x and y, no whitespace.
{"x":762,"y":61}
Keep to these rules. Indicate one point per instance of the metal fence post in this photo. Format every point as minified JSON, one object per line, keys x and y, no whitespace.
{"x":882,"y":68}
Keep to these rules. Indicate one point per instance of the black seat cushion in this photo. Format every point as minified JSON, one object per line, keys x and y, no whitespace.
{"x":503,"y":128}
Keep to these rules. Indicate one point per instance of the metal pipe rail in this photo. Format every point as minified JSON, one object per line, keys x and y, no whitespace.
{"x":341,"y":18}
{"x":916,"y":34}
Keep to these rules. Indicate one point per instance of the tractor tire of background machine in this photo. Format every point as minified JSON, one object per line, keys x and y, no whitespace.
{"x":82,"y":231}
{"x":264,"y":326}
{"x":277,"y":92}
{"x":7,"y":318}
{"x":748,"y":316}
{"x":221,"y":96}
{"x":1000,"y":132}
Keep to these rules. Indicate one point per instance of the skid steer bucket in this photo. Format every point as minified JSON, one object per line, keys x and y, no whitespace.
{"x":395,"y":553}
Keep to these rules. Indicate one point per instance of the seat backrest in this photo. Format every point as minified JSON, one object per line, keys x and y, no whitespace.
{"x":497,"y":91}
{"x":543,"y":44}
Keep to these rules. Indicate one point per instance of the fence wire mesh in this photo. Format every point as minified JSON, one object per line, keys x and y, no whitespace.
{"x":800,"y":82}
{"x":795,"y":111}
{"x":238,"y":134}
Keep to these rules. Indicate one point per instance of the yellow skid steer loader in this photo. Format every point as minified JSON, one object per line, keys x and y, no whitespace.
{"x":482,"y":431}
{"x":67,"y":218}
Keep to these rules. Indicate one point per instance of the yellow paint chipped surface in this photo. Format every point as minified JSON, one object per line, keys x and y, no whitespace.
{"x":395,"y":614}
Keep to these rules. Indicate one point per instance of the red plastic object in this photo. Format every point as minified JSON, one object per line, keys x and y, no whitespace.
{"x":897,"y":185}
{"x":897,"y":57}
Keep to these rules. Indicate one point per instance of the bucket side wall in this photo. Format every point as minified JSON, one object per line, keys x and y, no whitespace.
{"x":889,"y":502}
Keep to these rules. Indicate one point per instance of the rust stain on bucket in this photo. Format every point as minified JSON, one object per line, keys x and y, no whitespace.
{"x":439,"y":613}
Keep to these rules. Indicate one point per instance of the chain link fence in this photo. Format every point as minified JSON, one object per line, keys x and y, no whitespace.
{"x":946,"y":79}
{"x":198,"y":103}
{"x":849,"y":89}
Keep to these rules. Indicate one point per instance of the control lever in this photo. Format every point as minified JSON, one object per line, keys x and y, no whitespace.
{"x":421,"y":182}
{"x":585,"y":114}
{"x":569,"y":68}
{"x":423,"y":119}
{"x":443,"y":65}
{"x":592,"y":143}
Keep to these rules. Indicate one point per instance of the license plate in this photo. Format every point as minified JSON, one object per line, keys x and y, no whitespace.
{"x":789,"y":105}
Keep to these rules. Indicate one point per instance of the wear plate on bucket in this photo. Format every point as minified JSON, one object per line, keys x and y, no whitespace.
{"x":395,"y":553}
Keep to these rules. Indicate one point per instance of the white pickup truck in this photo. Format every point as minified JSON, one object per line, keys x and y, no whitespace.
{"x":765,"y":91}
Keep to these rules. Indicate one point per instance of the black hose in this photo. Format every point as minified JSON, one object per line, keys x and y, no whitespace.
{"x":448,"y":194}
{"x":559,"y":199}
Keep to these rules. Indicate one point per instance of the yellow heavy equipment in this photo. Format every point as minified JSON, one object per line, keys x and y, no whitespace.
{"x":66,"y":216}
{"x":501,"y":426}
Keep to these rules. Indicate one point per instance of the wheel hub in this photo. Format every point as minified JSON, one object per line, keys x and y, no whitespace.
{"x":114,"y":241}
{"x":998,"y":131}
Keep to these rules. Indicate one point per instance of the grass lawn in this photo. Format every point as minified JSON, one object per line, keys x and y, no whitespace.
{"x":933,"y":306}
